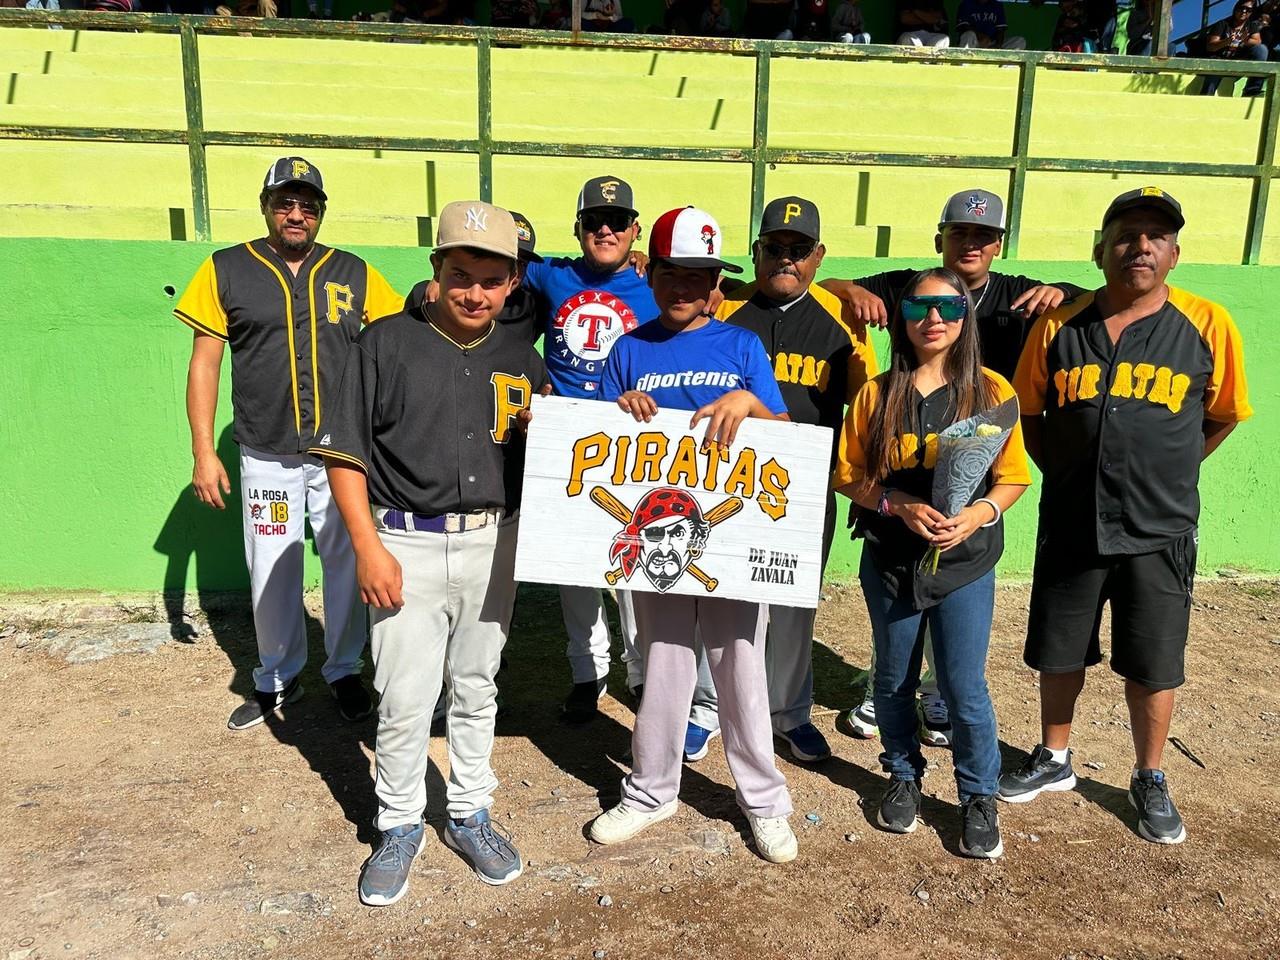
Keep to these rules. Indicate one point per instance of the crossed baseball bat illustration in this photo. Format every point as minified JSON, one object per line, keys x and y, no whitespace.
{"x":611,"y":505}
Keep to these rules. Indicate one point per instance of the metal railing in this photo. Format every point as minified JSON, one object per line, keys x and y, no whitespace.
{"x":760,"y":154}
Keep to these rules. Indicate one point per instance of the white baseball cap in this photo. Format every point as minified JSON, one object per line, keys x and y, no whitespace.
{"x":688,"y":237}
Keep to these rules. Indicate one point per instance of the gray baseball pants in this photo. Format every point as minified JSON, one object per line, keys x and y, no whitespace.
{"x":588,"y":630}
{"x":733,"y":634}
{"x":459,"y":590}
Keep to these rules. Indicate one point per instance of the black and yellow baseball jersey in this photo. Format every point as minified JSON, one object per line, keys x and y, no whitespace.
{"x":1122,"y":431}
{"x":288,"y":335}
{"x":896,"y":549}
{"x":431,"y":422}
{"x":819,"y":363}
{"x":1001,"y":331}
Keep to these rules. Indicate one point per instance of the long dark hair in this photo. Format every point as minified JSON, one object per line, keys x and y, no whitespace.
{"x":971,"y":391}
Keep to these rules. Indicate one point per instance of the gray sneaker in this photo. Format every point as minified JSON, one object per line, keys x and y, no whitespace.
{"x":1038,"y":773}
{"x":262,"y":704}
{"x":489,"y":851}
{"x":1158,"y":819}
{"x":385,"y":877}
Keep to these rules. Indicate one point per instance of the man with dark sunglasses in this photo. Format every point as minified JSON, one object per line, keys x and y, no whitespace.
{"x":585,"y":304}
{"x":289,"y":308}
{"x":820,"y":366}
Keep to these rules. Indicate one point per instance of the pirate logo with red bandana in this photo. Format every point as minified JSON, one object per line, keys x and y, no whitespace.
{"x":709,"y":238}
{"x":666,"y":534}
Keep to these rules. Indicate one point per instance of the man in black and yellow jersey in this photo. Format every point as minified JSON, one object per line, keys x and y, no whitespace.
{"x":820,"y":366}
{"x":1123,"y":393}
{"x":289,"y":308}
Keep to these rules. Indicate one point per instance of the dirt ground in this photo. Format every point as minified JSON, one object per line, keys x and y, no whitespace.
{"x":134,"y":824}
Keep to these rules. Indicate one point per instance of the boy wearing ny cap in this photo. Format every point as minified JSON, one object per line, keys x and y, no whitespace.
{"x":819,"y":365}
{"x":288,"y":307}
{"x":701,"y":354}
{"x":1123,"y":393}
{"x":586,"y":304}
{"x":425,"y":454}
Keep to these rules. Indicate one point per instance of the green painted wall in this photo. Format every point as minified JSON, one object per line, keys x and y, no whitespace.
{"x":95,"y":456}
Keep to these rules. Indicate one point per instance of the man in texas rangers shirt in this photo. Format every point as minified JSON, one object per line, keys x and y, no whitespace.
{"x":587,"y":303}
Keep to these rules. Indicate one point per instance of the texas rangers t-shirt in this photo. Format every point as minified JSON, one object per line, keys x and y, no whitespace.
{"x":688,"y":369}
{"x":585,"y":313}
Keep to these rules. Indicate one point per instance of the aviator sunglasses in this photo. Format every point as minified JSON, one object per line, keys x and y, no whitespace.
{"x":615,"y":220}
{"x":951,"y":309}
{"x":309,"y":208}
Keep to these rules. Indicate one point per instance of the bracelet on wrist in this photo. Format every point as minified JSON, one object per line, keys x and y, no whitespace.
{"x":994,"y":506}
{"x":885,"y":507}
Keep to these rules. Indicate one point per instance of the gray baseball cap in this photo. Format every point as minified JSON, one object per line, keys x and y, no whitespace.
{"x":974,"y":206}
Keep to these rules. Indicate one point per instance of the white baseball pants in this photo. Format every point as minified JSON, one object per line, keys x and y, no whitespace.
{"x":588,"y":631}
{"x":459,"y":589}
{"x":733,"y":633}
{"x":279,"y":493}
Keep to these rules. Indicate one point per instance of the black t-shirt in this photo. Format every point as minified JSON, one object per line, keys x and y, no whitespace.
{"x":433,"y":423}
{"x":1002,"y":331}
{"x":519,"y":315}
{"x":1237,"y":37}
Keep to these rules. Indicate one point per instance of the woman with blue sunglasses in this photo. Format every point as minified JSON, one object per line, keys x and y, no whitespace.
{"x":888,"y":447}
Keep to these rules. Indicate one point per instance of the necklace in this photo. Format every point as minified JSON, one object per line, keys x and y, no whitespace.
{"x":985,"y":287}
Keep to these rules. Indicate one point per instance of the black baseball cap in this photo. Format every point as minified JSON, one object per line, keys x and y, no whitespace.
{"x":791,"y":213}
{"x":525,"y":237}
{"x":290,"y":170}
{"x":606,"y":192}
{"x":1146,"y":197}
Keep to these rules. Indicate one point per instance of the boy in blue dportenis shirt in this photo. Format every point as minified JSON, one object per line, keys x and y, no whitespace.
{"x":687,"y":360}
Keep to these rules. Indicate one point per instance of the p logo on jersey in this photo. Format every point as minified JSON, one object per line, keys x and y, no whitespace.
{"x":340,"y":301}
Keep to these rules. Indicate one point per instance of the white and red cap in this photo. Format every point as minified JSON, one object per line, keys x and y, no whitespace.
{"x":688,"y":237}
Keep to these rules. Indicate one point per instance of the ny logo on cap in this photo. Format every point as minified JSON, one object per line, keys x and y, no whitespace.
{"x":300,"y":169}
{"x":976,"y":205}
{"x":609,"y":190}
{"x":477,"y":219}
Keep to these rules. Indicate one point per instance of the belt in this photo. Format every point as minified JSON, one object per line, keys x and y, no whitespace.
{"x":444,"y":523}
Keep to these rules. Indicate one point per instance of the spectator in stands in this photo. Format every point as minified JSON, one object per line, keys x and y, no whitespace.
{"x":1100,"y":24}
{"x":813,"y":20}
{"x":682,"y":17}
{"x":922,"y":23}
{"x":847,"y":25}
{"x":1138,"y":31}
{"x":982,"y":23}
{"x":606,"y":16}
{"x":513,"y":13}
{"x":768,"y":19}
{"x":716,"y":20}
{"x":556,"y":16}
{"x":1071,"y":33}
{"x":1238,"y":37}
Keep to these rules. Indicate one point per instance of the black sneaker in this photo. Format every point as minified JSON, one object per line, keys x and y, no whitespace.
{"x":980,"y":828}
{"x":1158,"y":819}
{"x":262,"y":704}
{"x":583,"y":703}
{"x":354,"y":702}
{"x":1039,"y":772}
{"x":899,"y":806}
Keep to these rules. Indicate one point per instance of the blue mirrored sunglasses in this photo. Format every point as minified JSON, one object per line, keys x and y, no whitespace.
{"x":951,"y":309}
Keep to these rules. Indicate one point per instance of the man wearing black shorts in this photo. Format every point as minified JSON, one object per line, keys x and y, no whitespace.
{"x":1124,"y":392}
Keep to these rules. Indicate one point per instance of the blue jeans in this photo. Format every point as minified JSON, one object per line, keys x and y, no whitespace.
{"x":1253,"y":86}
{"x":961,"y":629}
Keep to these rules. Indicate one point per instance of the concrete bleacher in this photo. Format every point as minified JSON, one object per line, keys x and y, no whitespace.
{"x":589,"y":97}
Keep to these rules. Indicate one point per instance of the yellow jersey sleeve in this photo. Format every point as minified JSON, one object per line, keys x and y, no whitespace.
{"x":1031,"y":379}
{"x":380,"y":300}
{"x":863,"y":366}
{"x":1226,"y":395}
{"x":851,"y":461}
{"x":200,"y":306}
{"x":1011,"y":465}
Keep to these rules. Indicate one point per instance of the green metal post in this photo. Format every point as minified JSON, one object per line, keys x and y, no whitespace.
{"x":1021,"y":148}
{"x":195,"y":128}
{"x":1266,"y":170}
{"x":759,"y":137}
{"x":1161,"y":28}
{"x":484,"y":129}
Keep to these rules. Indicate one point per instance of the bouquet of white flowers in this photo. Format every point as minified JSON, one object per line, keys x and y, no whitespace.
{"x":966,"y":451}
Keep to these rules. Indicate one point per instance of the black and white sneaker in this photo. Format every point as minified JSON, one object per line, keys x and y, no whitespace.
{"x":354,"y":702}
{"x":899,"y":807}
{"x":262,"y":704}
{"x":1158,"y":819}
{"x":980,"y":828}
{"x":1040,"y":772}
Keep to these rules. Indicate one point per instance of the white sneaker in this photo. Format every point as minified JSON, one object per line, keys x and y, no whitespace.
{"x":622,"y":822}
{"x":775,"y":840}
{"x":862,"y":718}
{"x":935,"y":721}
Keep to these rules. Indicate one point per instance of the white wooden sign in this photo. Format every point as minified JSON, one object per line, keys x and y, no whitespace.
{"x":609,"y":502}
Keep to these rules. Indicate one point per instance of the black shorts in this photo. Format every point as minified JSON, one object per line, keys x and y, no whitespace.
{"x":1150,"y":597}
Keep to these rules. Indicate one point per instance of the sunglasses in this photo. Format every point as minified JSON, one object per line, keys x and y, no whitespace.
{"x":309,"y":208}
{"x":795,"y":252}
{"x":615,"y":220}
{"x":950,"y":309}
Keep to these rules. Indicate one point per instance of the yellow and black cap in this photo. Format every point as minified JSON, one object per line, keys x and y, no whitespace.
{"x":792,"y":213}
{"x":293,"y":170}
{"x":1152,"y":197}
{"x":526,"y":238}
{"x":606,"y":191}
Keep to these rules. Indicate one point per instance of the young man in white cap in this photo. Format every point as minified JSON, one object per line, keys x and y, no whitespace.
{"x":425,"y":455}
{"x":701,"y":355}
